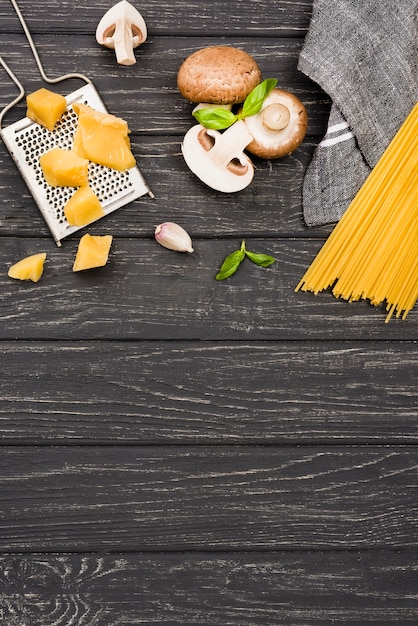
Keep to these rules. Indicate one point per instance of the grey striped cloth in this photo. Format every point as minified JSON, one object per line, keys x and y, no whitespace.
{"x":363,"y":53}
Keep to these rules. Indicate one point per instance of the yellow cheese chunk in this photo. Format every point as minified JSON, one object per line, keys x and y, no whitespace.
{"x":102,"y":138}
{"x":93,"y":251}
{"x":45,"y":107}
{"x":29,"y":268}
{"x":83,"y":207}
{"x":64,"y":168}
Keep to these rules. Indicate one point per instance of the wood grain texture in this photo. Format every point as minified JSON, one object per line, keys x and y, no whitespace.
{"x":263,"y":18}
{"x":180,"y":498}
{"x":270,"y":206}
{"x":93,"y":392}
{"x":175,"y":450}
{"x":136,"y":296}
{"x":313,"y":588}
{"x":146,"y":94}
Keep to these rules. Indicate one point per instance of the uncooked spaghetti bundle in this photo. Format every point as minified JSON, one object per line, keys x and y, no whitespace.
{"x":372,"y":253}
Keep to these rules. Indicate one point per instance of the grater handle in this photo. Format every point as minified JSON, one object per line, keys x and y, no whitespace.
{"x":47,"y":79}
{"x":18,"y":85}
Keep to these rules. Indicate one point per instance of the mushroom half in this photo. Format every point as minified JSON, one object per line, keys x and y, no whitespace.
{"x":279,"y":127}
{"x":218,"y":158}
{"x":122,"y":28}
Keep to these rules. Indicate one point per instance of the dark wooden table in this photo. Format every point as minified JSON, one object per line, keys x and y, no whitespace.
{"x":179,"y":450}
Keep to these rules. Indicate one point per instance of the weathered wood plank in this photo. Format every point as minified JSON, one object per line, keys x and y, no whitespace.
{"x":263,"y":18}
{"x":136,"y":296}
{"x":238,"y":589}
{"x":171,"y":498}
{"x":212,"y":393}
{"x":302,"y":383}
{"x":146,"y":94}
{"x":270,"y":206}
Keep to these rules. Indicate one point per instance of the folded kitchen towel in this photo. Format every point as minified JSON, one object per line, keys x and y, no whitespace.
{"x":363,"y":53}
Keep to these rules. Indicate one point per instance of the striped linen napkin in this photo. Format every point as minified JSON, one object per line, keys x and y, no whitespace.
{"x":363,"y":53}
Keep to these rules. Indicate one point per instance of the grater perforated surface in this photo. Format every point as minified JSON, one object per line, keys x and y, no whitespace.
{"x":27,"y":141}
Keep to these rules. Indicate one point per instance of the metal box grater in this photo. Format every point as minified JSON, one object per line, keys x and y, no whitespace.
{"x":27,"y":141}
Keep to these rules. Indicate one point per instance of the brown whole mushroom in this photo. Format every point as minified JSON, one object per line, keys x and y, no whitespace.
{"x":218,"y":75}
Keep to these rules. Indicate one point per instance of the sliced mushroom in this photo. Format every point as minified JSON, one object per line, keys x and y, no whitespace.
{"x":218,"y":75}
{"x":122,"y":28}
{"x":218,"y":158}
{"x":279,"y":127}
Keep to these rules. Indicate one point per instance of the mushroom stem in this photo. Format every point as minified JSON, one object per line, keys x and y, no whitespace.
{"x":122,"y":41}
{"x":230,"y":144}
{"x":121,"y":35}
{"x":276,"y":116}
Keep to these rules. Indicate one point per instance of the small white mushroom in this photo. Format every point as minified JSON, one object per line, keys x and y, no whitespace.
{"x":218,"y":158}
{"x":122,"y":28}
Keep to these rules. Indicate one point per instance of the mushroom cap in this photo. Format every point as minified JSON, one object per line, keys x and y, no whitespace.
{"x":218,"y":75}
{"x":276,"y":142}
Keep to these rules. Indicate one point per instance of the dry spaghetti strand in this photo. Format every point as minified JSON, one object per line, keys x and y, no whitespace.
{"x":372,"y":251}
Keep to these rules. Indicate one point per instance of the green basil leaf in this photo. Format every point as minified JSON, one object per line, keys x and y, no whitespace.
{"x":230,"y":264}
{"x":254,"y":100}
{"x":260,"y":259}
{"x":215,"y":119}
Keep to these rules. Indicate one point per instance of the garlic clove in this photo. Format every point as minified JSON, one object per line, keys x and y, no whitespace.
{"x":173,"y":237}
